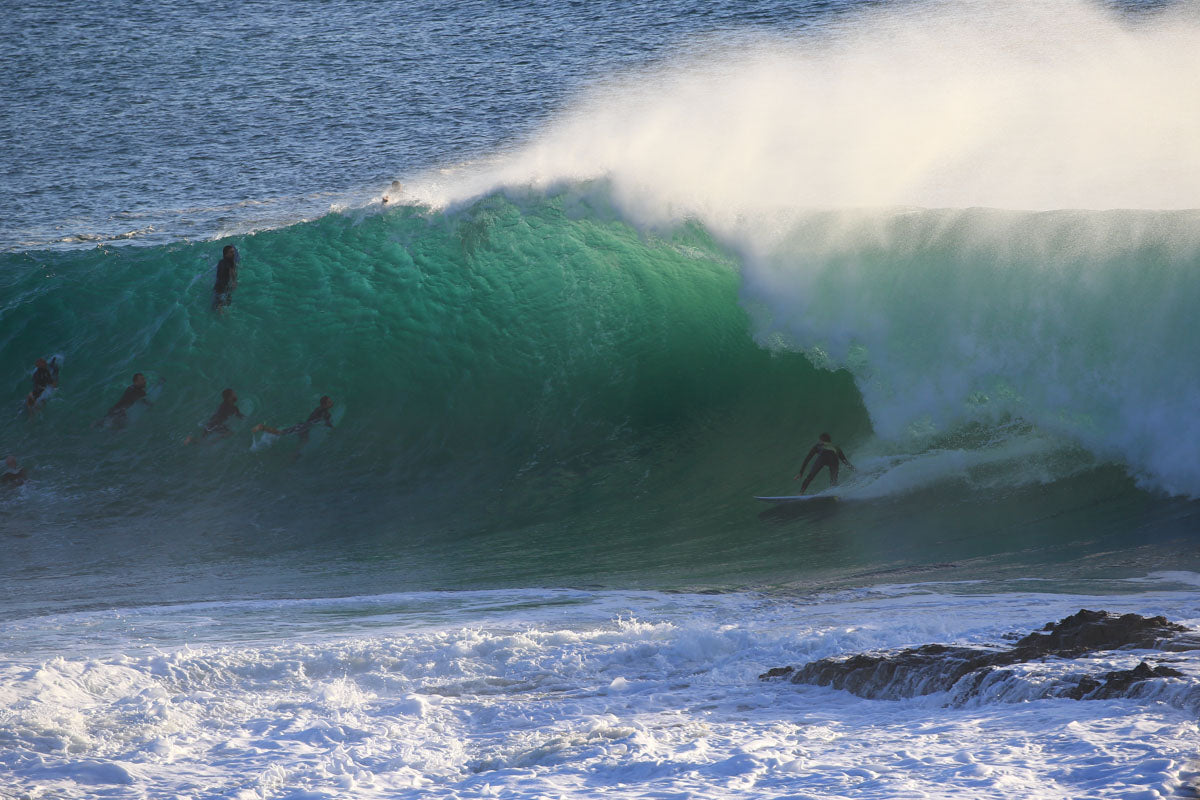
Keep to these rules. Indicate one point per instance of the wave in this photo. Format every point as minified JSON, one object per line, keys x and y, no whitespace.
{"x":533,"y":359}
{"x":492,"y":362}
{"x":647,"y":315}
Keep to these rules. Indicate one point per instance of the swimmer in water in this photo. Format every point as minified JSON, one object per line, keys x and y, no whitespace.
{"x":13,"y":475}
{"x":827,"y":455}
{"x":216,"y":423}
{"x":320,"y":414}
{"x":135,"y":393}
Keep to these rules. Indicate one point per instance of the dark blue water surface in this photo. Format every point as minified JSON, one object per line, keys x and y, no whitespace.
{"x":167,"y":120}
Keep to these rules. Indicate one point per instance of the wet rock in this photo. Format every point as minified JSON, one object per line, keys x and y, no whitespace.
{"x":970,"y":671}
{"x":1089,"y":631}
{"x":1117,"y":683}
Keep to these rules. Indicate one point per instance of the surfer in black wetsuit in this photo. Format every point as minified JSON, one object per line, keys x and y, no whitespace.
{"x":227,"y":278}
{"x":216,"y":423}
{"x":134,"y":394}
{"x":44,"y":376}
{"x":320,"y":414}
{"x":827,"y":455}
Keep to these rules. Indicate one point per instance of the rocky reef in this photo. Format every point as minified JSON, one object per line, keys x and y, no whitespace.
{"x":1063,"y":659}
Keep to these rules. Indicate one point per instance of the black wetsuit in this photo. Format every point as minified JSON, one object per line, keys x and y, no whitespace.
{"x":827,"y":455}
{"x":42,"y":378}
{"x":216,"y":424}
{"x":320,"y":414}
{"x":226,"y":280}
{"x":13,"y":477}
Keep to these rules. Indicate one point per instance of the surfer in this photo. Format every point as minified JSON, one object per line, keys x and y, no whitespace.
{"x":320,"y":414}
{"x":827,"y":455}
{"x":44,"y":376}
{"x":134,"y":394}
{"x":216,"y":423}
{"x":227,"y":278}
{"x":13,"y":475}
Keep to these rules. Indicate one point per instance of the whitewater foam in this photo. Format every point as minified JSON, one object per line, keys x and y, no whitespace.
{"x":557,"y":692}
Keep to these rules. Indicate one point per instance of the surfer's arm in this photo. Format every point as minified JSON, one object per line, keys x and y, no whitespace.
{"x":804,"y":466}
{"x":845,"y":460}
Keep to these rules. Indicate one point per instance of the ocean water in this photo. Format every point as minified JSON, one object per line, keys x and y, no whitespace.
{"x":582,"y":279}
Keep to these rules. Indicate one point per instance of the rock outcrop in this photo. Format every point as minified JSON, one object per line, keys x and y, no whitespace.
{"x":967,"y":672}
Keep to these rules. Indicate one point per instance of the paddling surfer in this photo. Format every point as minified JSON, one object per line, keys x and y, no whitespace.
{"x":319,"y":415}
{"x":827,"y":455}
{"x":216,"y":423}
{"x":45,"y":376}
{"x":136,"y":393}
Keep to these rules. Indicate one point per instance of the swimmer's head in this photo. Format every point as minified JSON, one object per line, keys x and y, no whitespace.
{"x":825,"y":437}
{"x":229,"y":395}
{"x":11,"y":462}
{"x":230,"y":252}
{"x":41,"y":362}
{"x":139,"y":379}
{"x":326,"y":401}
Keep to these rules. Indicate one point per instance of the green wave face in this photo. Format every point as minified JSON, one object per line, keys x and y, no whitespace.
{"x":516,"y":362}
{"x":531,"y":390}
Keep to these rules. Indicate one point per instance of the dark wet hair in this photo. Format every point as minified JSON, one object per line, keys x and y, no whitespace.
{"x":825,"y":437}
{"x":326,"y":399}
{"x":137,"y":375}
{"x":226,"y":394}
{"x":228,"y":250}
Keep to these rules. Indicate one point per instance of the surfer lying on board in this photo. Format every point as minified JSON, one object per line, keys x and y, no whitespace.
{"x":44,"y":376}
{"x":320,"y":414}
{"x":827,"y":455}
{"x":216,"y":423}
{"x":135,"y":393}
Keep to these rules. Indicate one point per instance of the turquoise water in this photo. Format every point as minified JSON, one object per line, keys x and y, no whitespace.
{"x":530,"y":391}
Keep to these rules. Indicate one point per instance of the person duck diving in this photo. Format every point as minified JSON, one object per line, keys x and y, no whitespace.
{"x":827,"y":455}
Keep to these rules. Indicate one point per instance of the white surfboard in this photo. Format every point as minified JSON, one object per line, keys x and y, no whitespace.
{"x":796,"y":498}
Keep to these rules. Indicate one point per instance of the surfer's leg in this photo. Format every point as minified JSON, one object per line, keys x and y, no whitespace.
{"x":812,"y":473}
{"x":833,"y":473}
